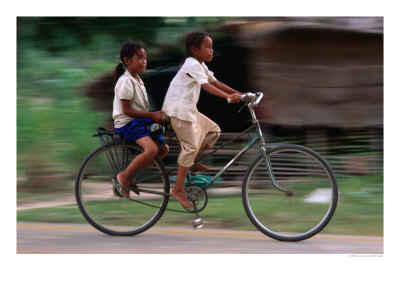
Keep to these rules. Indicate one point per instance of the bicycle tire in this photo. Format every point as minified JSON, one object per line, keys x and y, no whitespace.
{"x":109,"y":212}
{"x":307,"y":176}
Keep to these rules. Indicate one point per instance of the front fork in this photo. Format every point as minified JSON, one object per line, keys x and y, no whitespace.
{"x":263,"y":148}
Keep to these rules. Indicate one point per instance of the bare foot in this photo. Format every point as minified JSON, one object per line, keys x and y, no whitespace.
{"x":199,"y":167}
{"x":124,"y":182}
{"x":182,"y":198}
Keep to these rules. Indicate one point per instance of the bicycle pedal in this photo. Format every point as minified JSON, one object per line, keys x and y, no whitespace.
{"x":198,"y":223}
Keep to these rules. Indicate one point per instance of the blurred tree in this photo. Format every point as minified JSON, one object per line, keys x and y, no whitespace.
{"x":56,"y":57}
{"x":58,"y":34}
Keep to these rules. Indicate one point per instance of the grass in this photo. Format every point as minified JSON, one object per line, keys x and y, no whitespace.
{"x":359,"y":210}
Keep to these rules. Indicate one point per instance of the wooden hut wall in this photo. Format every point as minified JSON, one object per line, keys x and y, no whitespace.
{"x":318,"y":76}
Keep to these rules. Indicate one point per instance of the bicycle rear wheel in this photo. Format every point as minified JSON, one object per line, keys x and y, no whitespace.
{"x":103,"y":207}
{"x":308,"y":203}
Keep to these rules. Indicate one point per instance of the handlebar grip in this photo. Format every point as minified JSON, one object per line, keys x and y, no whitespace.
{"x":244,"y":96}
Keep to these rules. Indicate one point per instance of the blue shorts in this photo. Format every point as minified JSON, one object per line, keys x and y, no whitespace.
{"x":137,"y":129}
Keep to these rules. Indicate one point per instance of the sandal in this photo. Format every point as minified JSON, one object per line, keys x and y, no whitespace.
{"x":118,"y":186}
{"x":134,"y":188}
{"x":116,"y":192}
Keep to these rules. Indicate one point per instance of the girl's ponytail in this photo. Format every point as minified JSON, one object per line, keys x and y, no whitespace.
{"x":119,"y":71}
{"x":127,"y":50}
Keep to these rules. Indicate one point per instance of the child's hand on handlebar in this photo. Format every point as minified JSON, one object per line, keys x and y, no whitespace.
{"x":234,"y":98}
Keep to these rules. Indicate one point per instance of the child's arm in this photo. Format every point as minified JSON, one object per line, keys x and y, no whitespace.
{"x":127,"y":110}
{"x":211,"y":89}
{"x":224,"y":87}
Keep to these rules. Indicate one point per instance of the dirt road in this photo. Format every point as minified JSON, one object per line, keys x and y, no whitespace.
{"x":71,"y":238}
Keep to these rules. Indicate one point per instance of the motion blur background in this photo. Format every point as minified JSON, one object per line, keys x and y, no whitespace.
{"x":322,"y":79}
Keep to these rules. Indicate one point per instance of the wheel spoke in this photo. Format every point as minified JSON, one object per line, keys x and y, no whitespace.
{"x":104,"y":208}
{"x":310,"y":197}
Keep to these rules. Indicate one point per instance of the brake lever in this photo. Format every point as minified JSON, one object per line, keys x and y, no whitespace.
{"x":242,"y":107}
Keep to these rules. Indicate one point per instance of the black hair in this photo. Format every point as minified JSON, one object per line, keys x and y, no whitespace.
{"x":127,"y":50}
{"x":194,"y":39}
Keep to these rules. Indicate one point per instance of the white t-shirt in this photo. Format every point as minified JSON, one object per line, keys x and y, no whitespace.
{"x":184,"y":90}
{"x":128,"y":88}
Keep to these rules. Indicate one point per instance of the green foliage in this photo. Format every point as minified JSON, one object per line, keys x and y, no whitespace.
{"x":56,"y":58}
{"x":54,"y":120}
{"x":359,"y":210}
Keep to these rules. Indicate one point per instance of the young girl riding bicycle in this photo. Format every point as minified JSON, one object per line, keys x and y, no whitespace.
{"x":194,"y":130}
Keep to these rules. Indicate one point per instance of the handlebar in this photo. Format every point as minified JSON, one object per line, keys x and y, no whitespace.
{"x":252,"y":99}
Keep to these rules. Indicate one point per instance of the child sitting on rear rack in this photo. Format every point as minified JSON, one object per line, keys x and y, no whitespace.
{"x":131,"y":112}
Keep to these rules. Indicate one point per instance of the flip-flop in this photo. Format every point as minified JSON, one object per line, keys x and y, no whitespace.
{"x":134,"y":188}
{"x":118,"y":188}
{"x":132,"y":185}
{"x":116,"y":192}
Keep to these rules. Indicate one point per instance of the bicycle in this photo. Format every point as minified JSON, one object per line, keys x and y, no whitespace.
{"x":289,"y":192}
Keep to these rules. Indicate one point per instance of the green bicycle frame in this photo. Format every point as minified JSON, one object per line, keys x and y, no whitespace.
{"x":252,"y":141}
{"x":233,"y":160}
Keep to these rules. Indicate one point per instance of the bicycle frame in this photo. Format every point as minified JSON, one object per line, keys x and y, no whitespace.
{"x":252,"y":141}
{"x":253,"y":102}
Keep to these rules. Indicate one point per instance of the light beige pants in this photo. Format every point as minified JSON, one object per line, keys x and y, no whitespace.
{"x":193,"y":136}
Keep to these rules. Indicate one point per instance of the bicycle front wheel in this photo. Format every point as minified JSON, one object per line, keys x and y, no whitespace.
{"x":100,"y":203}
{"x":302,"y":200}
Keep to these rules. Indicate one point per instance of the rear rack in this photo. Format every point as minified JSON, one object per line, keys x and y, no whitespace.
{"x":101,"y":131}
{"x":117,"y":161}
